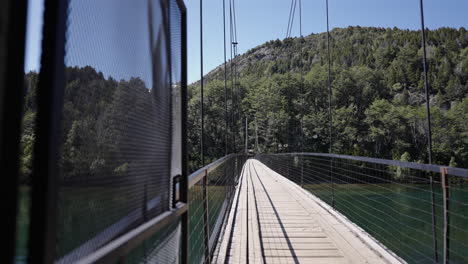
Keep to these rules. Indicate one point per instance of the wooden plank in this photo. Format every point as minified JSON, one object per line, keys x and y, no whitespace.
{"x":255,"y":248}
{"x":294,"y":240}
{"x":224,"y":249}
{"x":300,"y":246}
{"x":277,"y":260}
{"x":324,"y":253}
{"x":292,"y":230}
{"x":296,"y":234}
{"x":242,"y":241}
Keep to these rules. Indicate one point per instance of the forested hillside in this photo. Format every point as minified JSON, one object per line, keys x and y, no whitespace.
{"x":377,"y":100}
{"x":377,"y":104}
{"x":107,"y":126}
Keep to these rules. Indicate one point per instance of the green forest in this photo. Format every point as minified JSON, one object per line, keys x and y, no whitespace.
{"x":109,"y":126}
{"x":378,"y":101}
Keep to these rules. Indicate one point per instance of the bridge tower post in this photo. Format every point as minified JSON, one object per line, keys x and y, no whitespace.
{"x":246,"y":135}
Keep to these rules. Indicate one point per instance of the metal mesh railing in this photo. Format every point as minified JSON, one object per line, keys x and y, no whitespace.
{"x":418,"y":211}
{"x":211,"y":190}
{"x":159,"y":248}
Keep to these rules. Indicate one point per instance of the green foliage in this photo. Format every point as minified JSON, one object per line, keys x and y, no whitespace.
{"x":377,"y":104}
{"x":402,"y":172}
{"x":377,"y":96}
{"x":27,"y":145}
{"x":106,"y":126}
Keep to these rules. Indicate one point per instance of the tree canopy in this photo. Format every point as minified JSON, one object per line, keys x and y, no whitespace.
{"x":377,"y":96}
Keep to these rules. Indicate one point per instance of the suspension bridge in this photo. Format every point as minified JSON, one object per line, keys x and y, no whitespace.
{"x":325,"y":208}
{"x":109,"y":182}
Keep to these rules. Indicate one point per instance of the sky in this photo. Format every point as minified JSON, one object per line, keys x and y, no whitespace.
{"x":115,"y":41}
{"x":33,"y":35}
{"x":258,"y":21}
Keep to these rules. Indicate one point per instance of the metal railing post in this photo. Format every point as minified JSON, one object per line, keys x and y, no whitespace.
{"x":50,"y":92}
{"x":434,"y":219}
{"x":13,"y":39}
{"x":332,"y":184}
{"x":183,"y":186}
{"x":228,"y":182}
{"x":206,"y":241}
{"x":445,"y":196}
{"x":302,"y":170}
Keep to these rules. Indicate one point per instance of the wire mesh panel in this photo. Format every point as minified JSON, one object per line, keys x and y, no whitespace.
{"x":391,"y":201}
{"x":196,"y":231}
{"x":160,"y":248}
{"x":121,"y":123}
{"x":221,"y":182}
{"x":222,"y":177}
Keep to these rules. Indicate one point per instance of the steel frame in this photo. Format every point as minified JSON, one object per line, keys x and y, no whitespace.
{"x":11,"y":106}
{"x":45,"y":183}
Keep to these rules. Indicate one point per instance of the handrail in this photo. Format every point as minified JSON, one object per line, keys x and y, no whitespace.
{"x":198,"y":175}
{"x":108,"y":234}
{"x":206,"y":211}
{"x":112,"y":252}
{"x":404,"y":164}
{"x":358,"y":189}
{"x":194,"y":178}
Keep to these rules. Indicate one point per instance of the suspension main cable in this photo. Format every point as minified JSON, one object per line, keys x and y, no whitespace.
{"x":234,"y":148}
{"x":292,"y":19}
{"x":329,"y":83}
{"x":301,"y":40}
{"x":289,"y":19}
{"x":429,"y":134}
{"x":301,"y":75}
{"x":225,"y":82}
{"x":234,"y":20}
{"x":426,"y":84}
{"x":235,"y":86}
{"x":330,"y":150}
{"x":202,"y":113}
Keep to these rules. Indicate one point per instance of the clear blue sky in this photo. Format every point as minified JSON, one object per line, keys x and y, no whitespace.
{"x":259,"y":21}
{"x":33,"y":35}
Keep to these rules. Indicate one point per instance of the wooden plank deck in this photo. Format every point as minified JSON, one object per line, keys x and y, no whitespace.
{"x":273,"y":220}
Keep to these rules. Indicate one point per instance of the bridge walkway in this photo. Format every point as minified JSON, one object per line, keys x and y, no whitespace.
{"x":273,"y":220}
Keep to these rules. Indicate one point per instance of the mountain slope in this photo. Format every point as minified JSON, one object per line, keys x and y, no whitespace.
{"x":377,"y":96}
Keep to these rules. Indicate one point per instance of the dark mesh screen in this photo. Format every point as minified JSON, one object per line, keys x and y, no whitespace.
{"x":3,"y":49}
{"x":175,"y":29}
{"x":118,"y":126}
{"x":28,"y":127}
